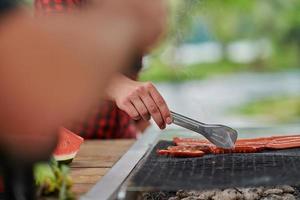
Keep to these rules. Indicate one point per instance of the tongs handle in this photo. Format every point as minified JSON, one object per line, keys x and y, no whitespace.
{"x":186,"y":122}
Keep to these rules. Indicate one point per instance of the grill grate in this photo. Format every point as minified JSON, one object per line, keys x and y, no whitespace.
{"x":217,"y":171}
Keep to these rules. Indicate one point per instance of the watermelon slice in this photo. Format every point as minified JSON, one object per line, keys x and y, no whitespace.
{"x":67,"y":147}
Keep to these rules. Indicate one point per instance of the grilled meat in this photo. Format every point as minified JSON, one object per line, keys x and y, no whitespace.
{"x":190,"y":147}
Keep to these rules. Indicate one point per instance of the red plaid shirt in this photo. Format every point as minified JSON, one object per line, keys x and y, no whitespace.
{"x":108,"y":121}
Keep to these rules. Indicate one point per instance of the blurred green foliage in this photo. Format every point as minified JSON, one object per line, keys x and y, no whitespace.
{"x":160,"y":72}
{"x":276,"y":109}
{"x":53,"y":180}
{"x":278,"y":21}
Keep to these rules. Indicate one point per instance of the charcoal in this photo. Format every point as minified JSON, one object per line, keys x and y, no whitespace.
{"x":272,"y":191}
{"x":182,"y":194}
{"x":194,"y":193}
{"x":288,"y":197}
{"x":284,"y":192}
{"x":208,"y":194}
{"x":287,"y":189}
{"x":154,"y":196}
{"x":191,"y":198}
{"x":228,"y":194}
{"x":251,"y":193}
{"x":272,"y":197}
{"x":174,"y":198}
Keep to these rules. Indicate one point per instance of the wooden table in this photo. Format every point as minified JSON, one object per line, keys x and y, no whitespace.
{"x":94,"y":160}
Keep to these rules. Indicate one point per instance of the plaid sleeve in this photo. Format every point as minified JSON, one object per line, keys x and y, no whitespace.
{"x":107,"y":122}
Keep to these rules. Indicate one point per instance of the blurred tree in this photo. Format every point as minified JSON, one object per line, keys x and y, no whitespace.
{"x":231,"y":20}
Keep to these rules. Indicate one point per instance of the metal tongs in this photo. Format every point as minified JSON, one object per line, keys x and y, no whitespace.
{"x":220,"y":135}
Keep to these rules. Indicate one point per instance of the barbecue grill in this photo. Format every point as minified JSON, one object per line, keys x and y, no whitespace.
{"x":217,"y":171}
{"x":141,"y":170}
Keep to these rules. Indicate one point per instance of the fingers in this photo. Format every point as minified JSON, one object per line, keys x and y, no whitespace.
{"x":143,"y":101}
{"x":140,"y":107}
{"x":160,"y":102}
{"x":130,"y":110}
{"x":153,"y":109}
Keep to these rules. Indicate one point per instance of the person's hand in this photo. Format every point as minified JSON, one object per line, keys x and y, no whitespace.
{"x":139,"y":100}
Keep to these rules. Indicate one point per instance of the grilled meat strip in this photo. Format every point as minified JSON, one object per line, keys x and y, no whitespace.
{"x":191,"y":147}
